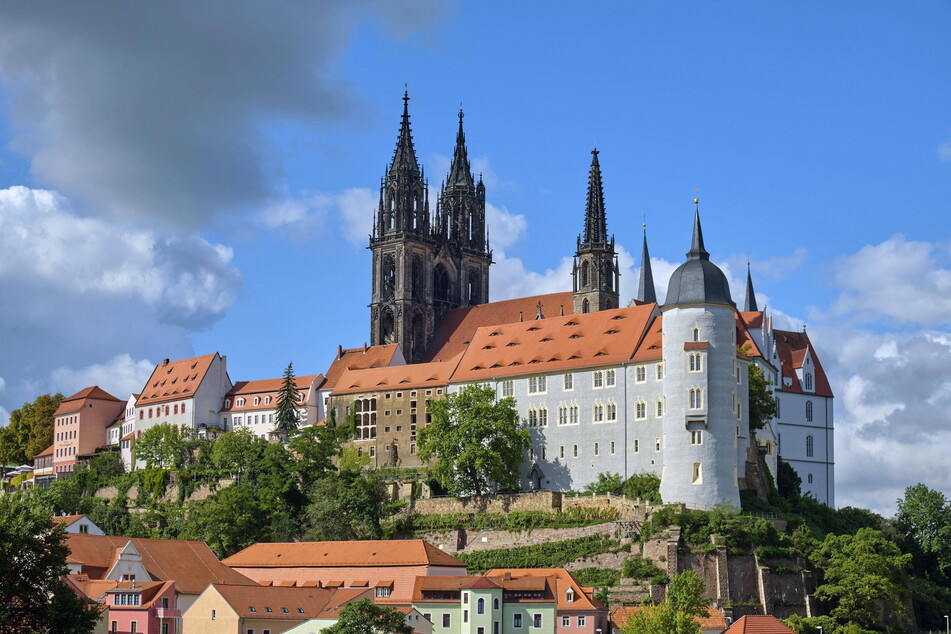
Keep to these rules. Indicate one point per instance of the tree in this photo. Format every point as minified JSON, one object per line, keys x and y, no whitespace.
{"x":677,"y":614}
{"x":33,"y":595}
{"x":347,"y":506}
{"x":862,"y":572}
{"x":287,"y":398}
{"x":762,"y":406}
{"x":365,"y":617}
{"x":29,"y":431}
{"x":236,"y":452}
{"x":163,"y":446}
{"x":685,"y":593}
{"x":924,"y":516}
{"x":477,"y":442}
{"x":788,"y":482}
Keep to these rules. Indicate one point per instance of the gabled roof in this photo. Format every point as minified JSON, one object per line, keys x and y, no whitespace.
{"x":67,"y":520}
{"x":607,"y":337}
{"x":75,"y":402}
{"x":418,"y":375}
{"x":190,"y":564}
{"x":791,"y":348}
{"x":148,"y":590}
{"x":460,"y":324}
{"x":563,"y":581}
{"x":252,"y":602}
{"x":94,"y":589}
{"x":46,"y":452}
{"x":744,"y":340}
{"x":758,"y":624}
{"x":370,"y":553}
{"x":265,"y":387}
{"x":713,"y":619}
{"x":175,"y":380}
{"x":341,"y":597}
{"x":358,"y":359}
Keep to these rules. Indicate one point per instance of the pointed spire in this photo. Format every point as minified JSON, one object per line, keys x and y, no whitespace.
{"x":645,"y":285}
{"x":404,"y":158}
{"x":697,"y":252}
{"x":595,"y":220}
{"x":459,"y":173}
{"x":750,"y":303}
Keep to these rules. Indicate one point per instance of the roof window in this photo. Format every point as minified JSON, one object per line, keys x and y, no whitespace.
{"x":267,"y":609}
{"x":251,"y":608}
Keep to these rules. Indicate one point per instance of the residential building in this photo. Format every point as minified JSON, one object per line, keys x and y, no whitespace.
{"x":146,"y":607}
{"x":79,"y":426}
{"x":127,"y":432}
{"x":43,"y":473}
{"x":576,"y":609}
{"x":389,"y":567}
{"x":354,"y":359}
{"x":252,"y":405}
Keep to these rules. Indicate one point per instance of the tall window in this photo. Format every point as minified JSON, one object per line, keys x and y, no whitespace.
{"x":537,"y":385}
{"x":808,"y":381}
{"x":364,"y":412}
{"x":597,"y":449}
{"x":609,"y":378}
{"x":480,"y":606}
{"x":660,"y":408}
{"x":808,"y":411}
{"x":640,"y":374}
{"x":696,"y":398}
{"x":696,"y":333}
{"x":507,"y":389}
{"x":599,"y":413}
{"x":612,"y":412}
{"x":516,"y":620}
{"x":660,"y":371}
{"x":537,"y":620}
{"x":562,"y":414}
{"x":446,"y":619}
{"x":697,"y":477}
{"x":640,"y":410}
{"x":573,"y":415}
{"x":696,"y":437}
{"x":696,"y":362}
{"x":598,"y":378}
{"x":569,"y":382}
{"x":809,"y":446}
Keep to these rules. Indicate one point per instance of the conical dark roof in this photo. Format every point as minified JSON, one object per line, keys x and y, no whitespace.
{"x":698,"y":280}
{"x":595,"y":219}
{"x":404,"y":157}
{"x":645,"y":284}
{"x":750,"y":303}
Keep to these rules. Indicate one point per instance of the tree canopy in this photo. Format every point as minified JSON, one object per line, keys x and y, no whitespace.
{"x":29,"y":431}
{"x":924,"y":516}
{"x":285,"y":418}
{"x":476,"y":442}
{"x":762,"y":406}
{"x":365,"y":617}
{"x":676,"y":615}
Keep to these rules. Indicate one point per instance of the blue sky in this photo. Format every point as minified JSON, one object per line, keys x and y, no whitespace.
{"x":181,"y":179}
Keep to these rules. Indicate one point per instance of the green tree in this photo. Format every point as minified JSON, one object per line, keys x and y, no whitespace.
{"x":33,"y":595}
{"x":685,"y":593}
{"x":347,"y":505}
{"x":365,"y":617}
{"x":476,"y":441}
{"x":862,"y":572}
{"x":163,"y":446}
{"x":762,"y":406}
{"x":677,"y":615}
{"x":236,"y":452}
{"x":788,"y":482}
{"x":285,"y":419}
{"x":924,"y":516}
{"x":29,"y":431}
{"x":228,"y":521}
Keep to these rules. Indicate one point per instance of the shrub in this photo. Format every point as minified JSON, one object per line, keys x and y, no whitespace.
{"x":550,"y":555}
{"x":597,"y":576}
{"x":637,"y":567}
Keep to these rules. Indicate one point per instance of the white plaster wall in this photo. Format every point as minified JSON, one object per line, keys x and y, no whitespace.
{"x":792,"y":430}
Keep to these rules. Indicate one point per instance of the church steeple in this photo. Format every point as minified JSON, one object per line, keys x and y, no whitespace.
{"x":750,"y":303}
{"x":596,"y":272}
{"x":645,"y":283}
{"x":459,"y":172}
{"x":404,"y":201}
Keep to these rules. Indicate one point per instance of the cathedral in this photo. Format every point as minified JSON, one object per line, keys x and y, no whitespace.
{"x":604,"y":384}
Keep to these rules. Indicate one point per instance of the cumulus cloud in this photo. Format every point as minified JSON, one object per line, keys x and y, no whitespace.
{"x":157,"y":110}
{"x":120,"y":375}
{"x":899,"y":279}
{"x":79,"y":291}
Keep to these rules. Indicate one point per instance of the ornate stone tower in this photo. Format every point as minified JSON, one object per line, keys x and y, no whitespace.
{"x":595,"y":274}
{"x":401,"y":310}
{"x":422,"y":271}
{"x":462,"y":259}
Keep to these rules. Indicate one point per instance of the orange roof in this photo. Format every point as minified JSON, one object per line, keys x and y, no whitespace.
{"x":791,"y":348}
{"x":46,"y":452}
{"x":758,"y":624}
{"x":274,"y":602}
{"x":607,"y":337}
{"x":419,"y":375}
{"x":460,"y":324}
{"x":67,"y":520}
{"x":752,"y":318}
{"x":651,"y":346}
{"x":95,"y":589}
{"x":148,"y":590}
{"x":358,"y":359}
{"x":370,"y":553}
{"x":342,"y":597}
{"x":175,"y":380}
{"x":190,"y":564}
{"x":91,"y":392}
{"x":265,"y":387}
{"x":713,"y":619}
{"x":583,"y":600}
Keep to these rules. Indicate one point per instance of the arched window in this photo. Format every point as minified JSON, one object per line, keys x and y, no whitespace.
{"x":809,"y":446}
{"x":808,"y":411}
{"x":257,"y":400}
{"x":495,"y":603}
{"x":585,"y":307}
{"x":696,"y":333}
{"x":808,"y":381}
{"x":809,"y":478}
{"x":584,"y":274}
{"x":480,"y":606}
{"x":696,"y":398}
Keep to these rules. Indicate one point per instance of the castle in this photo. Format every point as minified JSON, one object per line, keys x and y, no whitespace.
{"x":603,"y":383}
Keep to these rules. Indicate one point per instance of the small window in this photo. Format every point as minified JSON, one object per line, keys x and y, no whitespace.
{"x":537,"y":620}
{"x":612,"y":447}
{"x":213,"y":615}
{"x":383,"y":591}
{"x":446,"y":619}
{"x":517,"y":620}
{"x":696,"y":333}
{"x":582,"y":620}
{"x":285,"y":611}
{"x":697,"y":477}
{"x":507,"y":388}
{"x":495,"y":603}
{"x":465,"y":616}
{"x":809,"y":381}
{"x":808,"y":411}
{"x":597,"y":378}
{"x":257,"y":400}
{"x":480,"y":606}
{"x":809,"y":478}
{"x":569,"y":595}
{"x":657,"y":444}
{"x":597,"y":449}
{"x":640,"y":374}
{"x":636,"y":445}
{"x":696,"y":437}
{"x":660,"y":371}
{"x":267,"y":609}
{"x":575,"y":450}
{"x":566,"y":621}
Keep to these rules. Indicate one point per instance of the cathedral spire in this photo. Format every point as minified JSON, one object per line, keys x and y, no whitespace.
{"x":595,"y":220}
{"x":697,"y":252}
{"x":460,"y":173}
{"x":404,"y":157}
{"x":750,"y":303}
{"x":645,"y":285}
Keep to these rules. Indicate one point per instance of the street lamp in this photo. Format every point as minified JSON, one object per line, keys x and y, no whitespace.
{"x":820,"y":628}
{"x":946,"y":627}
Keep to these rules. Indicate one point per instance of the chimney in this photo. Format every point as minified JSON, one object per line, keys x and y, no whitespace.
{"x":520,"y":315}
{"x":562,"y":310}
{"x":165,"y":362}
{"x":339,"y":351}
{"x":364,"y":347}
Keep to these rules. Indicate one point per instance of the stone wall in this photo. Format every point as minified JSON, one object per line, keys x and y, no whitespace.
{"x":627,"y":507}
{"x":455,"y":541}
{"x":549,"y":501}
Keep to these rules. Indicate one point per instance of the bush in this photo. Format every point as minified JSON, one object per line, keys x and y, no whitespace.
{"x":597,"y":576}
{"x":636,"y":567}
{"x":515,"y":521}
{"x":550,"y":555}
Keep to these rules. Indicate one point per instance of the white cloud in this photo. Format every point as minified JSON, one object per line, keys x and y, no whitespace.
{"x":899,"y":280}
{"x":357,"y":208}
{"x":120,"y":376}
{"x":79,"y":291}
{"x":505,"y":228}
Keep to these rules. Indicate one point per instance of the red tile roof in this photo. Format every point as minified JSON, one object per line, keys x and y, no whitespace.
{"x":460,"y":324}
{"x":758,"y":624}
{"x":67,"y":520}
{"x":190,"y":564}
{"x":562,"y":581}
{"x":791,"y":347}
{"x":418,"y":375}
{"x":252,"y":602}
{"x":370,"y":553}
{"x":264,"y":388}
{"x":607,"y":337}
{"x":95,"y":392}
{"x":358,"y":359}
{"x":175,"y":380}
{"x":46,"y":452}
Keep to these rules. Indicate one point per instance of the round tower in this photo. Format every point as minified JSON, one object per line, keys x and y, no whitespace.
{"x":700,"y":425}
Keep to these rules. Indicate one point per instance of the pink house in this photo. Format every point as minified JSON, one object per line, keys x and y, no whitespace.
{"x":79,"y":426}
{"x":577,"y":611}
{"x":147,"y":607}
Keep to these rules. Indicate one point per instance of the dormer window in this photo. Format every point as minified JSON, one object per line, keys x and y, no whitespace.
{"x":227,"y":402}
{"x":239,"y":402}
{"x":569,"y":595}
{"x":257,"y":400}
{"x":267,"y":400}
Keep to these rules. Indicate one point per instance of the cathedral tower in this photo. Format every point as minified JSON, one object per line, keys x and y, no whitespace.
{"x":595,"y":274}
{"x":401,"y":307}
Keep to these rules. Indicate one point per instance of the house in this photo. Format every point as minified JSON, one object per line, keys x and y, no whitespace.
{"x":758,"y":624}
{"x":389,"y":567}
{"x":577,"y":611}
{"x":147,"y":607}
{"x":380,"y":356}
{"x":242,"y":609}
{"x":190,"y":564}
{"x":43,"y":473}
{"x":253,"y":404}
{"x":77,"y":524}
{"x":713,"y":623}
{"x":79,"y":426}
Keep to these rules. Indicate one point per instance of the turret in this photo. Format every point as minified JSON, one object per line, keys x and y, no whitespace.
{"x":596,"y":274}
